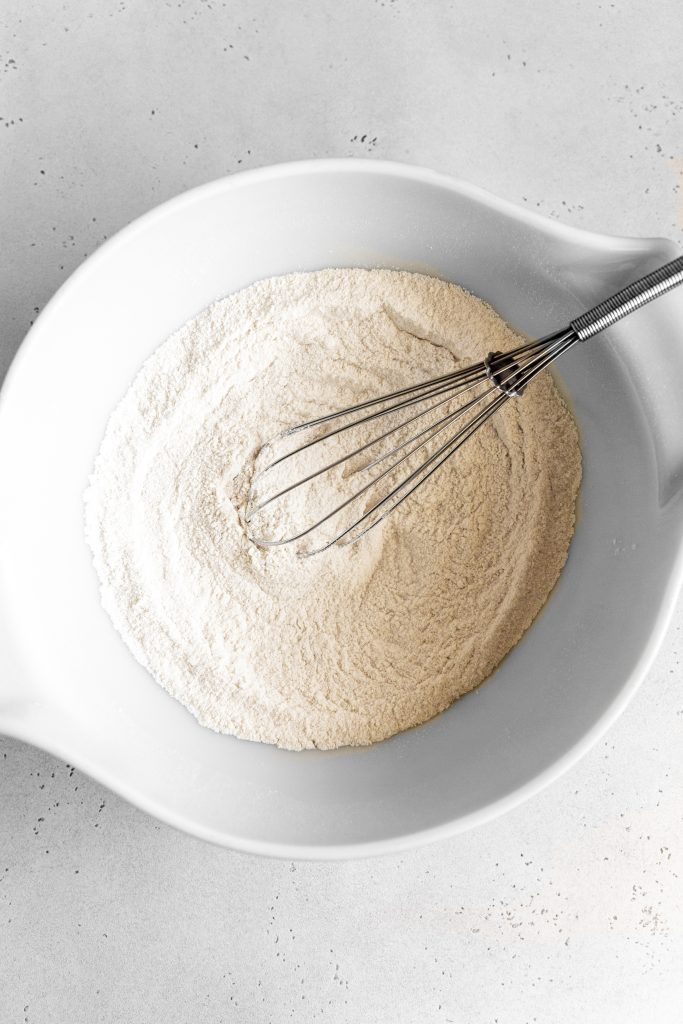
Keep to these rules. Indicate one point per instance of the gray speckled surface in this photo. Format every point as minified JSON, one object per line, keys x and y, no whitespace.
{"x":568,"y":909}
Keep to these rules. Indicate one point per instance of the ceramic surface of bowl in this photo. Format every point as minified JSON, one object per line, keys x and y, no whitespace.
{"x":68,"y":683}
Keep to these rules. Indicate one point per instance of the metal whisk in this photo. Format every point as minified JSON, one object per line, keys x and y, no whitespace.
{"x":422,"y":426}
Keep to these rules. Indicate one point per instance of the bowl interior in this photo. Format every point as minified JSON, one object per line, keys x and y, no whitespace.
{"x":75,"y":688}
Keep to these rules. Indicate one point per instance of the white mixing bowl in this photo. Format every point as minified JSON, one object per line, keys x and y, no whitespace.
{"x":68,"y":684}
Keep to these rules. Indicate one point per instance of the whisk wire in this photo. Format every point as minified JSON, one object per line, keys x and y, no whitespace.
{"x":361,"y":448}
{"x":446,"y":384}
{"x":461,"y":380}
{"x":507,"y":374}
{"x":363,"y":490}
{"x":450,"y":447}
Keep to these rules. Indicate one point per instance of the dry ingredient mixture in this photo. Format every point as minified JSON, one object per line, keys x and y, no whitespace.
{"x":358,"y":643}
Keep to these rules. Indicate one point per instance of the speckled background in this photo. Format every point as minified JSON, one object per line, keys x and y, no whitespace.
{"x":569,"y":909}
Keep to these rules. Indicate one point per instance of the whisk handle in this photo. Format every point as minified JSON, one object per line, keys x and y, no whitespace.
{"x":632,"y":297}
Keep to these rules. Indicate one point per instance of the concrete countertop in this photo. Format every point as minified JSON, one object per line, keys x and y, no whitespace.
{"x":570,"y":908}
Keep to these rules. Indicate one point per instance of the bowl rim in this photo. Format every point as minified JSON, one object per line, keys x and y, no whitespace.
{"x":22,"y":716}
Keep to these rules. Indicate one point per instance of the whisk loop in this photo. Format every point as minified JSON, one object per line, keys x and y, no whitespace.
{"x":425,"y":426}
{"x":291,"y":500}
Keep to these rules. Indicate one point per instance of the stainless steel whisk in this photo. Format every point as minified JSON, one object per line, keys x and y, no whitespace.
{"x":425,"y":425}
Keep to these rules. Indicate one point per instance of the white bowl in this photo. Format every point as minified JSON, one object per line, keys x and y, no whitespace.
{"x":68,"y":684}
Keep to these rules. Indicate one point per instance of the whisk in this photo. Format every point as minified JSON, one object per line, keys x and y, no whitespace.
{"x":377,"y":453}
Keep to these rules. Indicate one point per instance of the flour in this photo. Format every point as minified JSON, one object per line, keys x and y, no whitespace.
{"x":358,"y":643}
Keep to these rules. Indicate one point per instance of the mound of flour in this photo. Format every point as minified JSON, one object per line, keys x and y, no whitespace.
{"x":357,"y":643}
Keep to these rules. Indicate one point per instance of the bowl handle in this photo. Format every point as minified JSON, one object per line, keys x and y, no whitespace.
{"x":17,"y":694}
{"x":658,"y":341}
{"x":649,"y":343}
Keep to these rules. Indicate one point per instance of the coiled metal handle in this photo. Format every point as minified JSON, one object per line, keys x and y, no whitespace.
{"x":632,"y":297}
